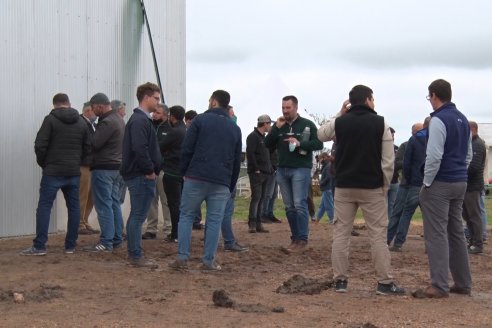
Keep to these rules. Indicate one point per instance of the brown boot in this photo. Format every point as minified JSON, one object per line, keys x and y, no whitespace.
{"x":259,"y":228}
{"x":251,"y":227}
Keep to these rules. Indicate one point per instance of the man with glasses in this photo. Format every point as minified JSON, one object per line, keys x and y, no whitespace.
{"x":139,"y":168}
{"x":448,"y":154}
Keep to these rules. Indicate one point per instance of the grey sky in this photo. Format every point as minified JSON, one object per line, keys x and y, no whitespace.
{"x":317,"y":50}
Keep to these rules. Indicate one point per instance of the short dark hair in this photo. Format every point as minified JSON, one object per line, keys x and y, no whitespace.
{"x":147,"y":89}
{"x":222,"y":97}
{"x":177,"y":112}
{"x":189,"y":115}
{"x":442,"y":89}
{"x":60,"y":99}
{"x":359,"y":94}
{"x":164,"y":107}
{"x":292,"y":98}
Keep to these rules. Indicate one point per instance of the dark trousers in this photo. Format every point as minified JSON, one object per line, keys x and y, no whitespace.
{"x":473,"y":217}
{"x":258,"y":183}
{"x":173,"y":186}
{"x":310,"y":202}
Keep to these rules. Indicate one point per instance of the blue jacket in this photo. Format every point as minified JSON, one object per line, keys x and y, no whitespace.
{"x":141,"y":155}
{"x":211,"y":150}
{"x":414,"y":159}
{"x":326,"y":178}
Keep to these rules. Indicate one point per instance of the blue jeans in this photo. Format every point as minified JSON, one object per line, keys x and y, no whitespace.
{"x":106,"y":196}
{"x":226,"y":226}
{"x":47,"y":194}
{"x":142,"y":192}
{"x":216,"y":197}
{"x":326,"y":205}
{"x":392,"y":191}
{"x":294,"y":185}
{"x":407,"y":200}
{"x":270,"y":195}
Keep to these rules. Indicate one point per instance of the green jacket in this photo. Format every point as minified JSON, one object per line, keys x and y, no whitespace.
{"x":276,"y":139}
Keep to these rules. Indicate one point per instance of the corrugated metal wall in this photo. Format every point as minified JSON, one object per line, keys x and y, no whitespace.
{"x":80,"y":48}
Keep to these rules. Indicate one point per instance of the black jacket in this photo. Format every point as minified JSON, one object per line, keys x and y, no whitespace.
{"x":326,"y":179}
{"x":107,"y":141}
{"x":476,"y":167}
{"x":171,"y":148}
{"x":87,"y":160}
{"x":161,"y":130}
{"x":62,"y":142}
{"x":257,"y":153}
{"x":141,"y":154}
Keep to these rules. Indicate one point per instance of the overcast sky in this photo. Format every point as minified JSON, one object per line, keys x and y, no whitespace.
{"x":317,"y":50}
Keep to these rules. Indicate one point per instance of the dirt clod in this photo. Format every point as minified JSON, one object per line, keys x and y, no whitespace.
{"x":44,"y":292}
{"x":221,"y":298}
{"x":298,"y":284}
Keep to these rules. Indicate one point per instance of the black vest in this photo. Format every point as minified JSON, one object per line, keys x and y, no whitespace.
{"x":359,"y":135}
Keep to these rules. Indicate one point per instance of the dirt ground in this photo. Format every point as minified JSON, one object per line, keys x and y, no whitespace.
{"x":101,"y":290}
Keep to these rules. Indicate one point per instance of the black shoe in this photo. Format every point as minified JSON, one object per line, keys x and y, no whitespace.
{"x":251,"y":227}
{"x":389,"y":289}
{"x":266,"y":220}
{"x":259,"y":228}
{"x":275,"y":220}
{"x":395,"y":249}
{"x":235,"y":247}
{"x":475,"y":250}
{"x":149,"y":235}
{"x":458,"y":290}
{"x":197,"y":226}
{"x":142,"y":262}
{"x":341,"y":286}
{"x":169,"y":238}
{"x":355,"y":233}
{"x":180,"y":265}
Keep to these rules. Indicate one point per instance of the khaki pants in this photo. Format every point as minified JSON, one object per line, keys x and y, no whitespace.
{"x":153,"y":216}
{"x":374,"y":208}
{"x":86,"y":204}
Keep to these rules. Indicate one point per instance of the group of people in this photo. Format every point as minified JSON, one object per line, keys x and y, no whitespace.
{"x":443,"y":165}
{"x":176,"y":161}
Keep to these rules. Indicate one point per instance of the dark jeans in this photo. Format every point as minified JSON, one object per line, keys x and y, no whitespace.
{"x":173,"y":187}
{"x":47,"y":194}
{"x":258,"y":183}
{"x":473,"y":217}
{"x":142,"y":192}
{"x":270,"y":195}
{"x":407,"y":200}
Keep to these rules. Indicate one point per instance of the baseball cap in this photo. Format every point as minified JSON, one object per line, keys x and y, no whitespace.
{"x":264,"y":119}
{"x":99,"y":99}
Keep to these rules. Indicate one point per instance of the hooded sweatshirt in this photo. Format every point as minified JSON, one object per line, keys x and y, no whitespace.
{"x":61,"y":142}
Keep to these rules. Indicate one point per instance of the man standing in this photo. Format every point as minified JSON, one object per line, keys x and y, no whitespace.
{"x":162,"y":127}
{"x":61,"y":142}
{"x":448,"y":155}
{"x":106,"y":144}
{"x":173,"y":180}
{"x":140,"y":167}
{"x":86,"y":203}
{"x":295,"y":138}
{"x":259,"y":168}
{"x":407,"y":198}
{"x":210,"y":163}
{"x":471,"y":204}
{"x":364,"y":167}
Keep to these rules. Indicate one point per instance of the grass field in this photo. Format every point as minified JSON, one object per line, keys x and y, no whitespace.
{"x":242,"y":206}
